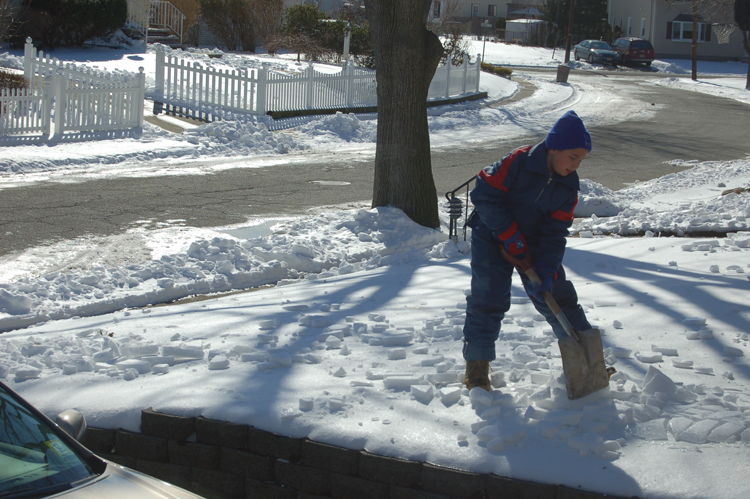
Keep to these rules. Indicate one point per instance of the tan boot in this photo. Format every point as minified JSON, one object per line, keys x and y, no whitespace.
{"x":478,"y":374}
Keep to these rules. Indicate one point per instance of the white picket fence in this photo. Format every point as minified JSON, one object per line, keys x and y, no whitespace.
{"x":23,"y":111}
{"x":261,"y":90}
{"x":79,"y":99}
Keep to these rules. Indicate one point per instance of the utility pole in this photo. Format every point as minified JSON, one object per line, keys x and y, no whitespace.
{"x":695,"y":40}
{"x":570,"y":31}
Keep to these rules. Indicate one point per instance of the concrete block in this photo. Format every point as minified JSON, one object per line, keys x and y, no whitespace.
{"x":141,"y":446}
{"x":330,"y":457}
{"x":99,"y":441}
{"x":302,"y":478}
{"x":217,"y":483}
{"x":277,"y":446}
{"x":389,"y":470}
{"x":194,"y":455}
{"x":507,"y":488}
{"x":165,"y":426}
{"x":404,"y":493}
{"x":212,"y":432}
{"x":563,"y":492}
{"x":454,"y":483}
{"x":346,"y":487}
{"x":247,"y":464}
{"x":255,"y":489}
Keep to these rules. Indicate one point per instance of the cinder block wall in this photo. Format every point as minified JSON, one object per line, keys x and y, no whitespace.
{"x":228,"y":461}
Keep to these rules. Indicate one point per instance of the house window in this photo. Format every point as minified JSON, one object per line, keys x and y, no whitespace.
{"x":492,"y":10}
{"x":683,"y":31}
{"x":630,"y":26}
{"x":643,"y":27}
{"x":474,"y":10}
{"x":436,"y":9}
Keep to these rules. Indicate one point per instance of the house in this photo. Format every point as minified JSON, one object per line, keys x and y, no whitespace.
{"x":523,"y":30}
{"x":669,"y":29}
{"x":486,"y":9}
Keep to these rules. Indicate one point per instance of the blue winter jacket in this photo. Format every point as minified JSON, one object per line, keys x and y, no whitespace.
{"x":519,"y":188}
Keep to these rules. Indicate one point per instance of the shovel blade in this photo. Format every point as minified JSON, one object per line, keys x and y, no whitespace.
{"x":583,"y":364}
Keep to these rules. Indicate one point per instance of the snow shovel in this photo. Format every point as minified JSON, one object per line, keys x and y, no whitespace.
{"x":582,"y":352}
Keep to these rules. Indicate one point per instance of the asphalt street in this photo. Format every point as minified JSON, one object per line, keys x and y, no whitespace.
{"x":685,"y":125}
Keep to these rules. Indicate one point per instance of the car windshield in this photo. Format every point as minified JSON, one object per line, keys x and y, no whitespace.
{"x":641,"y":45}
{"x":33,"y":459}
{"x":600,"y":45}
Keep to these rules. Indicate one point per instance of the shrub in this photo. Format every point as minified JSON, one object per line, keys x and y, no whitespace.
{"x":232,"y":23}
{"x":497,"y":70}
{"x":9,"y":79}
{"x":307,"y":30}
{"x":455,"y":45}
{"x":57,"y":23}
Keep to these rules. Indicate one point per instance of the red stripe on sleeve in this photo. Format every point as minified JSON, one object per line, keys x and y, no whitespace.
{"x":565,"y":216}
{"x":497,"y":178}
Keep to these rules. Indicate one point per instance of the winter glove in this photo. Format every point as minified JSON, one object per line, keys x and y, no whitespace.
{"x":513,"y":241}
{"x":547,"y":273}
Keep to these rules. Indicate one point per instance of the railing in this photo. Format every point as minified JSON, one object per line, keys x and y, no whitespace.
{"x":145,"y":14}
{"x":457,"y":209}
{"x":167,"y":16}
{"x":138,"y":17}
{"x":257,"y":91}
{"x":79,"y":98}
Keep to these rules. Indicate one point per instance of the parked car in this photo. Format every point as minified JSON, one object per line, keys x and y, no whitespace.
{"x":596,"y":51}
{"x":39,"y":459}
{"x":634,"y":50}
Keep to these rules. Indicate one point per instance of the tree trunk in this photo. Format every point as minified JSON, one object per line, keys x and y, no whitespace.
{"x":746,"y":44}
{"x":406,"y":57}
{"x":570,"y":31}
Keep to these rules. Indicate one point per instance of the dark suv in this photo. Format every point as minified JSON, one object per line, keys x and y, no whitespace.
{"x":634,"y":50}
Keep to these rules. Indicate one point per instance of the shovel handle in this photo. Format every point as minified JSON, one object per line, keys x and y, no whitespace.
{"x":526,"y":266}
{"x":552,"y":304}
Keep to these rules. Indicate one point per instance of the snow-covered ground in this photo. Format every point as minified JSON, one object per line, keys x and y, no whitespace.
{"x":358,"y":344}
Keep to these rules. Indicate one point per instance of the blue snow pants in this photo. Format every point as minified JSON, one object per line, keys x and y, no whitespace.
{"x":490,"y":298}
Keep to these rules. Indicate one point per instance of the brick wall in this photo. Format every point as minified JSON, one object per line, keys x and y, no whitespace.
{"x":229,"y":461}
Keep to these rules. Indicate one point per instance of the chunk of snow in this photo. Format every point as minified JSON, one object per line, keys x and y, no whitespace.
{"x":218,"y":363}
{"x":480,"y":397}
{"x":698,"y":432}
{"x":160,"y":369}
{"x":733,"y":351}
{"x":650,"y":430}
{"x":649,"y":357}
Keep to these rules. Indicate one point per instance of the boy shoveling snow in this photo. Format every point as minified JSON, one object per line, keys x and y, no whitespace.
{"x":523,"y":208}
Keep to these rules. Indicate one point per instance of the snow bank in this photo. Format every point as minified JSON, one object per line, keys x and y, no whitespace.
{"x":325,"y":245}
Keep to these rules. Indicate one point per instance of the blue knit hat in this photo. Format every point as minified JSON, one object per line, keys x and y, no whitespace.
{"x":568,"y":133}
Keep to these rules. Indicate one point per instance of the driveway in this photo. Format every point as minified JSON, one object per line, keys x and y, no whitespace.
{"x":684,"y":125}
